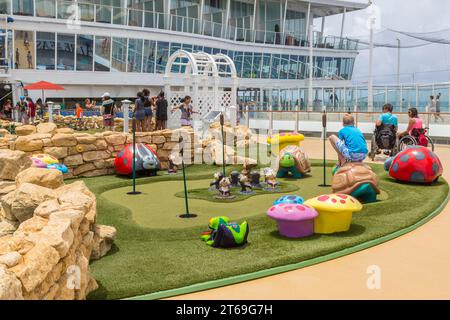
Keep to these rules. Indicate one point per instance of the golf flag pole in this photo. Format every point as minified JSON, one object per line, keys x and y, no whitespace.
{"x":222,"y":122}
{"x":134,"y":192}
{"x":186,"y":215}
{"x":324,"y":132}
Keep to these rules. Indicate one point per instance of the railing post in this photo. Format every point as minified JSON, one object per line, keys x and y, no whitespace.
{"x":270,"y":120}
{"x":50,"y":111}
{"x":297,"y":117}
{"x":247,"y":117}
{"x":126,"y":111}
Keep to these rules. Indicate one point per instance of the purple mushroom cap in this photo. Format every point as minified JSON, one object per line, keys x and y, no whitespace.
{"x":292,"y":212}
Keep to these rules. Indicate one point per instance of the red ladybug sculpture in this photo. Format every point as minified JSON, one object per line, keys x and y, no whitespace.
{"x":146,"y":160}
{"x":416,"y":164}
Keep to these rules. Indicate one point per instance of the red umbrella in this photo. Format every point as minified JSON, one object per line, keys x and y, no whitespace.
{"x":43,"y":85}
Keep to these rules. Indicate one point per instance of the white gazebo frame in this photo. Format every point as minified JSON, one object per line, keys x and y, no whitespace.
{"x":205,"y":77}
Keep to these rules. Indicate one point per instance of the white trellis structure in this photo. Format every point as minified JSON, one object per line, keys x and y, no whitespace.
{"x":209,"y":79}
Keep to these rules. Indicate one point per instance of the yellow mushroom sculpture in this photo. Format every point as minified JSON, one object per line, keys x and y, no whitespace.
{"x":335,"y":212}
{"x":280,"y":141}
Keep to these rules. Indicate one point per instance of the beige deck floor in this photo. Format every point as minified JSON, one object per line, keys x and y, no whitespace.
{"x":414,"y":266}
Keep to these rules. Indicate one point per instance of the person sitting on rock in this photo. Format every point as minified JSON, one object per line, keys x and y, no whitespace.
{"x":350,"y":144}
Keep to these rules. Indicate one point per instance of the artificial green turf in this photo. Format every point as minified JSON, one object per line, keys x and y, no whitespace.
{"x":145,"y":260}
{"x":211,"y":195}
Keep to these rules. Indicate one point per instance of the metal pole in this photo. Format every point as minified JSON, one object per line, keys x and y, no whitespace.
{"x":134,"y":192}
{"x":370,"y":85}
{"x":187,"y":214}
{"x":311,"y":70}
{"x":324,"y":126}
{"x":126,"y":111}
{"x":398,"y":62}
{"x":222,"y":122}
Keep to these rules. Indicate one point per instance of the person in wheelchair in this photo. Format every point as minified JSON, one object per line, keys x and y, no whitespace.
{"x":415,"y":128}
{"x":386,"y":130}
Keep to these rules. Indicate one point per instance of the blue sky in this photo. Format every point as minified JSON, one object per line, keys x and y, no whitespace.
{"x":405,"y":15}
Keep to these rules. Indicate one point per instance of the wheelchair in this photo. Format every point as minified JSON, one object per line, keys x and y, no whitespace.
{"x":418,"y":137}
{"x":384,"y":138}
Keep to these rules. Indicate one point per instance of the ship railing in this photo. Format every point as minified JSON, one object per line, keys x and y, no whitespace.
{"x":97,"y":13}
{"x":263,"y":117}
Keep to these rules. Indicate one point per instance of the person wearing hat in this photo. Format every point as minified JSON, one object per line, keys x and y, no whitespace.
{"x":108,"y":111}
{"x":21,"y":110}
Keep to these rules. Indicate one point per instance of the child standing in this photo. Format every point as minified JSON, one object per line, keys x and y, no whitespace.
{"x":79,"y":113}
{"x":350,"y":144}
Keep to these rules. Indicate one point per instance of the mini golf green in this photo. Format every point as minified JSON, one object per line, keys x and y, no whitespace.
{"x":155,"y":251}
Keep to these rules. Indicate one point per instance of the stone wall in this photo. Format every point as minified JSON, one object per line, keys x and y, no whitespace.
{"x":48,"y":233}
{"x":89,"y":155}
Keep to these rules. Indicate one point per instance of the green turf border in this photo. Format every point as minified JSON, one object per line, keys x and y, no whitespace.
{"x":277,"y":270}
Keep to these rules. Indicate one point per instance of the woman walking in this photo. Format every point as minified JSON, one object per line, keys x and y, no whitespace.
{"x":139,"y":111}
{"x":31,"y":110}
{"x":108,"y":111}
{"x":186,"y":111}
{"x":161,"y":111}
{"x":148,"y":110}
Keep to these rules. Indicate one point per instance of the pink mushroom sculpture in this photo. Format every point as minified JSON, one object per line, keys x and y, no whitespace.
{"x":294,"y":220}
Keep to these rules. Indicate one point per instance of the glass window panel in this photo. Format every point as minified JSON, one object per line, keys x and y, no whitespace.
{"x":284,"y":67}
{"x":5,"y":6}
{"x":23,"y":7}
{"x":301,"y":67}
{"x":274,"y":72}
{"x":187,"y":47}
{"x":151,"y":19}
{"x":65,"y":52}
{"x":238,"y":61}
{"x":24,"y":49}
{"x":198,"y":48}
{"x":103,"y":14}
{"x":102,"y":56}
{"x":45,"y":8}
{"x":85,"y":45}
{"x":135,"y":18}
{"x":45,"y":50}
{"x":265,"y":69}
{"x":119,"y":16}
{"x":256,"y":65}
{"x":135,"y":55}
{"x":162,"y":54}
{"x":86,"y":11}
{"x":65,"y":9}
{"x":119,"y":54}
{"x":149,"y":56}
{"x":293,"y":67}
{"x":247,"y":65}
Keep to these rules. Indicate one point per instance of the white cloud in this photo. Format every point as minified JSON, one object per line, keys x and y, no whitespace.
{"x":405,"y":15}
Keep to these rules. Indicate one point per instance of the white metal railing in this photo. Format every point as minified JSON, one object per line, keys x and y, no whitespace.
{"x":89,"y":12}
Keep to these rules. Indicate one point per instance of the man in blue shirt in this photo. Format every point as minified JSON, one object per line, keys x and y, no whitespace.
{"x":387,"y":117}
{"x":350,"y":144}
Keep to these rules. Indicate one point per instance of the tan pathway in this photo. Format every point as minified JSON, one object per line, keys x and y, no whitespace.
{"x":414,"y":266}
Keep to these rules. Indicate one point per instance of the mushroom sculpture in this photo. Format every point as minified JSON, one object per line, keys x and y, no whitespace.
{"x":358,"y":180}
{"x":335,"y":212}
{"x":46,"y":161}
{"x":280,"y":141}
{"x":289,"y":199}
{"x":294,"y":220}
